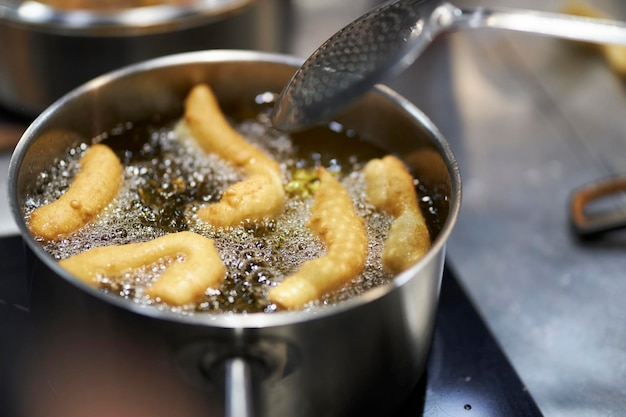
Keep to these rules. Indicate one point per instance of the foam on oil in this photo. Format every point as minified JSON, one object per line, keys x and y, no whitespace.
{"x":167,"y":178}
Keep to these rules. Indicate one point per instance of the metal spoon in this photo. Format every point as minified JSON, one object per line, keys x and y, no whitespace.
{"x":389,"y":38}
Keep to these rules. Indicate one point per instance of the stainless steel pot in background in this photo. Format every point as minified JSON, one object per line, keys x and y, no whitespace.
{"x":45,"y":52}
{"x":360,"y":356}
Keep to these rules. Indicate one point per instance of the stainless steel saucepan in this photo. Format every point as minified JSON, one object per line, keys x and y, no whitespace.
{"x":363,"y":355}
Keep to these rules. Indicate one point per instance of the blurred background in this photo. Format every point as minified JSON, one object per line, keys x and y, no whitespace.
{"x":530,"y":119}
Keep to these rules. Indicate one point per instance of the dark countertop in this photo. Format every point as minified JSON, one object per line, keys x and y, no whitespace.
{"x":530,"y":119}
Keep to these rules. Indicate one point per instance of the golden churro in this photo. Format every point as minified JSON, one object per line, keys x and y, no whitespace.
{"x":390,"y":188}
{"x":261,"y":194}
{"x":181,"y":283}
{"x":94,"y":187}
{"x":335,"y":220}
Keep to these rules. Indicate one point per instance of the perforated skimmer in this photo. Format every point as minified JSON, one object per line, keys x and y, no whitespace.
{"x":389,"y":38}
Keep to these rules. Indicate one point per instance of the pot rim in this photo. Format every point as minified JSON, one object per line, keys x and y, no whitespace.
{"x":235,"y":320}
{"x":123,"y":22}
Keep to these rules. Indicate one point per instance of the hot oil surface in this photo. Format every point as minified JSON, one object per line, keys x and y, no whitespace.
{"x":167,"y":178}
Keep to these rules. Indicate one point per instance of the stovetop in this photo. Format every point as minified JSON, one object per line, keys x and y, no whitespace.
{"x":467,"y":373}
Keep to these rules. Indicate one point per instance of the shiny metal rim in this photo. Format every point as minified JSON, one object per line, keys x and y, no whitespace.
{"x":41,"y":17}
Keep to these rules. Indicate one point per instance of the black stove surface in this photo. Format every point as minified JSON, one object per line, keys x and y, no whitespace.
{"x":467,"y":376}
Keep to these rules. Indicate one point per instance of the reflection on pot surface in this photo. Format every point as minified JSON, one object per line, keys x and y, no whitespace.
{"x":338,"y":358}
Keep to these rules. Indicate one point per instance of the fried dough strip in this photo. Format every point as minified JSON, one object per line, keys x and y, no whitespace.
{"x":94,"y":187}
{"x":335,"y":220}
{"x":257,"y":197}
{"x":261,"y":194}
{"x":390,"y":189}
{"x":181,"y":283}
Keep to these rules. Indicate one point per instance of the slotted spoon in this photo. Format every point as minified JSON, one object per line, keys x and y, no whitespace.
{"x":389,"y":38}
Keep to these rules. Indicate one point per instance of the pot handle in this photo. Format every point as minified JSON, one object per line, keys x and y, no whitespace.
{"x":239,"y":376}
{"x":238,"y":387}
{"x":238,"y":370}
{"x":586,"y":226}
